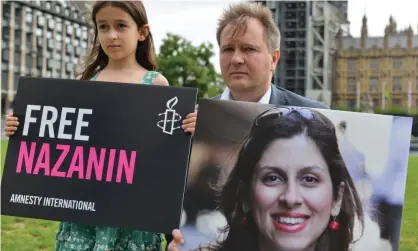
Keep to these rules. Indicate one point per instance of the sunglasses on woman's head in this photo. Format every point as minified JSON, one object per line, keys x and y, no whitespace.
{"x":285,"y":111}
{"x":281,"y":112}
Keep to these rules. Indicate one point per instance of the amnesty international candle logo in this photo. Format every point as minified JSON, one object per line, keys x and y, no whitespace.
{"x":168,"y":124}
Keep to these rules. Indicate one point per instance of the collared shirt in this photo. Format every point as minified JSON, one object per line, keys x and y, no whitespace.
{"x":226,"y":95}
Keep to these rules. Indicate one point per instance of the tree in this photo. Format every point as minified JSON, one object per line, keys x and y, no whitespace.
{"x":189,"y":66}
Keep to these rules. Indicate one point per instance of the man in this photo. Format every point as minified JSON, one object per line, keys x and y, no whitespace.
{"x":249,"y":44}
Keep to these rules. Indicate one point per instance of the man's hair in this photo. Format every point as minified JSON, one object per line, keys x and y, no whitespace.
{"x":238,"y":14}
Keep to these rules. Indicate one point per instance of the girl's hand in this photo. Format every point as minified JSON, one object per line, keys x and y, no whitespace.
{"x":177,"y":240}
{"x":11,"y":125}
{"x":189,"y":123}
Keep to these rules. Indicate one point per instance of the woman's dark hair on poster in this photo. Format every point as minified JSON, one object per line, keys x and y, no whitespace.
{"x":237,"y":188}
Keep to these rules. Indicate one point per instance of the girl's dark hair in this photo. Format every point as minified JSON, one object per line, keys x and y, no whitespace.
{"x":267,"y":127}
{"x":145,"y":52}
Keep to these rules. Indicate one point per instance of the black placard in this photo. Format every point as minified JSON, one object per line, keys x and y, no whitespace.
{"x":109,"y":159}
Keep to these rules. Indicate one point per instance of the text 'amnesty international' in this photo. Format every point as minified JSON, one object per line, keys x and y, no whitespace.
{"x":52,"y":202}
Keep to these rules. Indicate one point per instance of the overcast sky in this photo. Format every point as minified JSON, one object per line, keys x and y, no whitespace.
{"x":196,"y":19}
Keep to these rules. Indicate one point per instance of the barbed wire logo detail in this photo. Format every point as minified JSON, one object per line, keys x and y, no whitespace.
{"x":168,"y":124}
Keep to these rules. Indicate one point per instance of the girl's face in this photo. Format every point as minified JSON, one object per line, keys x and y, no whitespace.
{"x":292,"y":198}
{"x":118,"y":33}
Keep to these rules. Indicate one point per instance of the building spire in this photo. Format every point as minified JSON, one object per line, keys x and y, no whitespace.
{"x":410,"y":33}
{"x":364,"y":31}
{"x":392,"y":25}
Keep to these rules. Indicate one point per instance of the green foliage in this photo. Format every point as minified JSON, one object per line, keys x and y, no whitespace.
{"x":396,"y":111}
{"x":189,"y":66}
{"x":347,"y":109}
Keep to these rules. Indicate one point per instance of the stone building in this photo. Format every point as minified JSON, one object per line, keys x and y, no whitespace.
{"x":377,"y":72}
{"x":40,"y":39}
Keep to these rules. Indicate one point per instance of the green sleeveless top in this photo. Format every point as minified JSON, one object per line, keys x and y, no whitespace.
{"x":148,"y":79}
{"x":82,"y":237}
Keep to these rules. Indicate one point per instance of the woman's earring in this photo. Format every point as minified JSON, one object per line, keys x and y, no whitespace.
{"x":334,"y":225}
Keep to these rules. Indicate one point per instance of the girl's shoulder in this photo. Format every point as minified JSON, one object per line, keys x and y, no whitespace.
{"x":150,"y":77}
{"x":154,"y":78}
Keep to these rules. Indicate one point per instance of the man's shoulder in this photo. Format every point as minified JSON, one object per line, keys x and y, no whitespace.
{"x":217,"y":96}
{"x":294,"y":99}
{"x":291,"y":98}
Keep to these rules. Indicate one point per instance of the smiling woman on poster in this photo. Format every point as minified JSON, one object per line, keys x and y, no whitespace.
{"x":289,"y":188}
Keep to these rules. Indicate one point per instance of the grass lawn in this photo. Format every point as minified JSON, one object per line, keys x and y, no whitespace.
{"x":409,"y":231}
{"x":21,"y":234}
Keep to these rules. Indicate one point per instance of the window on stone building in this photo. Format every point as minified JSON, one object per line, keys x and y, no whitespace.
{"x":69,"y":29}
{"x":59,"y":25}
{"x":397,"y":102}
{"x":397,"y":64}
{"x":51,"y":23}
{"x":351,"y":85}
{"x":29,"y":16}
{"x":6,"y":12}
{"x":16,"y":77}
{"x":6,"y":35}
{"x":5,"y":79}
{"x":68,"y":68}
{"x":18,"y":17}
{"x":41,"y":21}
{"x":28,"y":41}
{"x":271,"y":5}
{"x":28,"y":62}
{"x":39,"y":61}
{"x":78,"y":31}
{"x":58,"y":38}
{"x":39,"y":42}
{"x":28,"y":71}
{"x":397,"y":84}
{"x":18,"y":38}
{"x":351,"y":65}
{"x":376,"y":102}
{"x":351,"y":104}
{"x":50,"y":44}
{"x":39,"y":32}
{"x":416,"y":87}
{"x":58,"y":8}
{"x":374,"y":65}
{"x":5,"y":54}
{"x":18,"y":59}
{"x":58,"y":65}
{"x":373,"y":84}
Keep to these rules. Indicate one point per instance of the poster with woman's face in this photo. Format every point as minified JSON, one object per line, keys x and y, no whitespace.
{"x":287,"y":178}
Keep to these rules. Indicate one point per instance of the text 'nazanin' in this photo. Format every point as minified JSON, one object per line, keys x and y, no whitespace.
{"x":78,"y":162}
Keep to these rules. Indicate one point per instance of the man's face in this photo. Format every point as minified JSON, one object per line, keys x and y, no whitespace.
{"x":245,"y":60}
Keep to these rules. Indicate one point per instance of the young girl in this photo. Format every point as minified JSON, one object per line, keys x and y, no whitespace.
{"x":122,"y":51}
